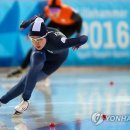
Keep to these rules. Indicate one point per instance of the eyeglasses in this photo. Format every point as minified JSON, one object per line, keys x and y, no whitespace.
{"x":40,"y":38}
{"x":37,"y":39}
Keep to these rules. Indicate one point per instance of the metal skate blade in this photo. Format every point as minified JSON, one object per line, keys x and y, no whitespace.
{"x":17,"y":113}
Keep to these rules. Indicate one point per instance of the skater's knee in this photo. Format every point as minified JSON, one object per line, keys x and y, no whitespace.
{"x":36,"y":68}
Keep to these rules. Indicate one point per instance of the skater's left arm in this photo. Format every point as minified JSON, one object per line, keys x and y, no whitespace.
{"x":63,"y":42}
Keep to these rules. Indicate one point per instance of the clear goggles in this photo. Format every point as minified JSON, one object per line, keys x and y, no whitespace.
{"x":37,"y":39}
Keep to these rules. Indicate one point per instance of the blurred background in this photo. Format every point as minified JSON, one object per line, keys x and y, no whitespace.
{"x":95,"y":78}
{"x":105,"y":22}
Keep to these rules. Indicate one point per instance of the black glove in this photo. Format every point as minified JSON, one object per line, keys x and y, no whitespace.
{"x":83,"y":39}
{"x":26,"y":23}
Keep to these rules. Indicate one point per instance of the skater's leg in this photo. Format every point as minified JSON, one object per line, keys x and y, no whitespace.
{"x":41,"y":70}
{"x":42,"y":76}
{"x":52,"y":63}
{"x":14,"y":92}
{"x":37,"y":63}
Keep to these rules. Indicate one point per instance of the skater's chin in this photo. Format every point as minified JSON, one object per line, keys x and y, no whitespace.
{"x":39,"y":48}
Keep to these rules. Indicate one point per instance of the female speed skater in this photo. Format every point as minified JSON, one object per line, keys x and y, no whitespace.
{"x":57,"y":15}
{"x":50,"y":50}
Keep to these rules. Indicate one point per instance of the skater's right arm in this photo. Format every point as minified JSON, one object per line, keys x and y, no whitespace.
{"x":26,"y":23}
{"x":60,"y":41}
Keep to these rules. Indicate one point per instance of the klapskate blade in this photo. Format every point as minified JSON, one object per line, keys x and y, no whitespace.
{"x":17,"y":113}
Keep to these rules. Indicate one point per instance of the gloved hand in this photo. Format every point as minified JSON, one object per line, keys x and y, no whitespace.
{"x":26,"y":23}
{"x":83,"y":39}
{"x":75,"y":47}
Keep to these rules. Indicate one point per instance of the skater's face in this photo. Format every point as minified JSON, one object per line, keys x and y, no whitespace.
{"x":55,"y":12}
{"x":38,"y":42}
